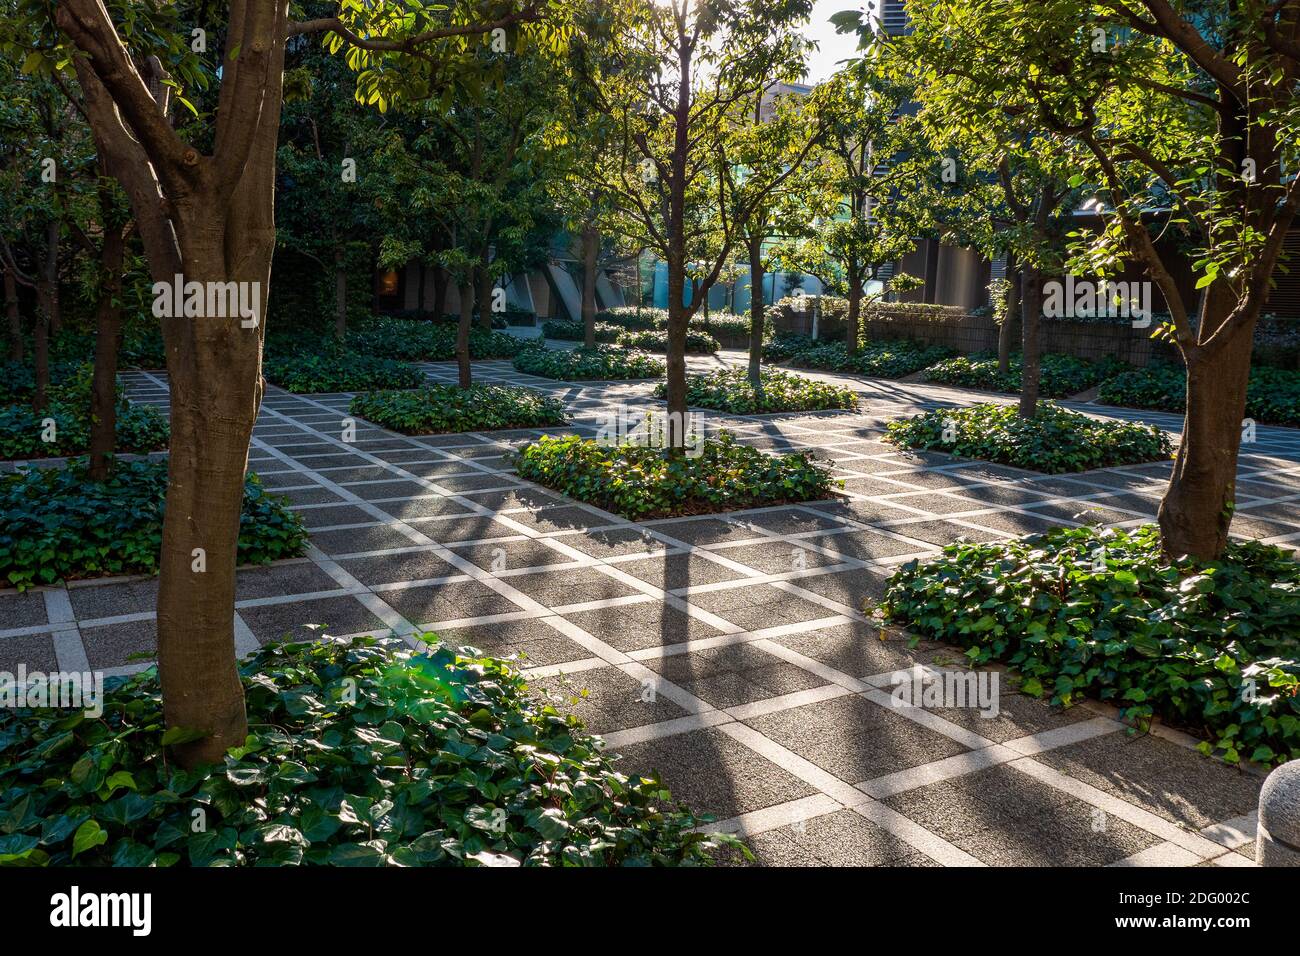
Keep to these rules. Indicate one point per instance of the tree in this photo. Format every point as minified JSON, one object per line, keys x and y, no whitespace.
{"x":863,"y":215}
{"x":202,"y":195}
{"x":1184,"y":116}
{"x":673,"y":76}
{"x":324,"y":165}
{"x":998,"y":180}
{"x":773,"y":133}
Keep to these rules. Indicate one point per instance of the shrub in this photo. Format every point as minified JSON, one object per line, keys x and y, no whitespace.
{"x":697,"y":342}
{"x":1060,"y":376}
{"x":56,"y":524}
{"x":413,"y":340}
{"x":1103,"y":613}
{"x":1272,"y":396}
{"x":361,"y":753}
{"x":603,"y":363}
{"x":640,"y":482}
{"x":339,"y":370}
{"x":1055,"y":440}
{"x":435,"y":409}
{"x":877,"y":359}
{"x":576,"y":332}
{"x":729,"y":390}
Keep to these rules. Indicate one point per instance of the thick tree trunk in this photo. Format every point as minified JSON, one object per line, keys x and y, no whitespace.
{"x":440,"y":282}
{"x":462,"y":332}
{"x":1007,"y":329}
{"x":108,"y":340}
{"x":15,"y":320}
{"x":341,"y":292}
{"x":756,"y":313}
{"x":590,"y":249}
{"x":1033,"y":299}
{"x":1197,"y":507}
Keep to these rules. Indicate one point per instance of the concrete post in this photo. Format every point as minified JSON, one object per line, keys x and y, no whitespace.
{"x":1278,"y":837}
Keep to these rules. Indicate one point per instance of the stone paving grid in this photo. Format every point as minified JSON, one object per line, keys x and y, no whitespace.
{"x":770,"y":699}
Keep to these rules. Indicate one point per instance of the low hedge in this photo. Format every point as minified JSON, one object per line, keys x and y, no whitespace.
{"x":601,"y":363}
{"x":876,"y":359}
{"x":438,"y":409}
{"x":1082,"y":612}
{"x":638,"y":482}
{"x":1060,"y":376}
{"x":56,"y":524}
{"x":338,"y":370}
{"x":1055,"y":440}
{"x":1272,"y":396}
{"x":360,"y":753}
{"x":729,"y":390}
{"x":697,"y":342}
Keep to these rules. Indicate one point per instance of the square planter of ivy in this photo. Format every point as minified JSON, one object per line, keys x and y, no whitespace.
{"x":1060,"y":376}
{"x":338,"y":370}
{"x":361,"y":753}
{"x":1213,"y":647}
{"x":62,"y":428}
{"x":1054,"y":441}
{"x":698,"y":342}
{"x":876,"y":359}
{"x":438,"y":409}
{"x":57,"y":525}
{"x":640,"y":482}
{"x":418,"y":341}
{"x":603,"y":363}
{"x":1272,"y":395}
{"x":729,"y":390}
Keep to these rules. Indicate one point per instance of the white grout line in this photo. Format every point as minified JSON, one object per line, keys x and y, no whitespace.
{"x":773,"y":818}
{"x":911,"y":832}
{"x":1117,"y":807}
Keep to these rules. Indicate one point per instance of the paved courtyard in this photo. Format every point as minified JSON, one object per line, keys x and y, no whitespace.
{"x":729,"y":653}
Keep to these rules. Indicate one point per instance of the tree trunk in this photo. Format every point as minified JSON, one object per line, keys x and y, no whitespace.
{"x":756,"y":313}
{"x":1033,"y":299}
{"x":485,"y":286}
{"x":1197,"y":508}
{"x":419,"y":292}
{"x":590,"y":249}
{"x":466,"y":289}
{"x":108,"y":340}
{"x":855,"y":310}
{"x":440,"y":282}
{"x":41,"y":357}
{"x":1007,"y":329}
{"x":15,"y":320}
{"x":52,"y":276}
{"x":341,"y":292}
{"x":675,"y":359}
